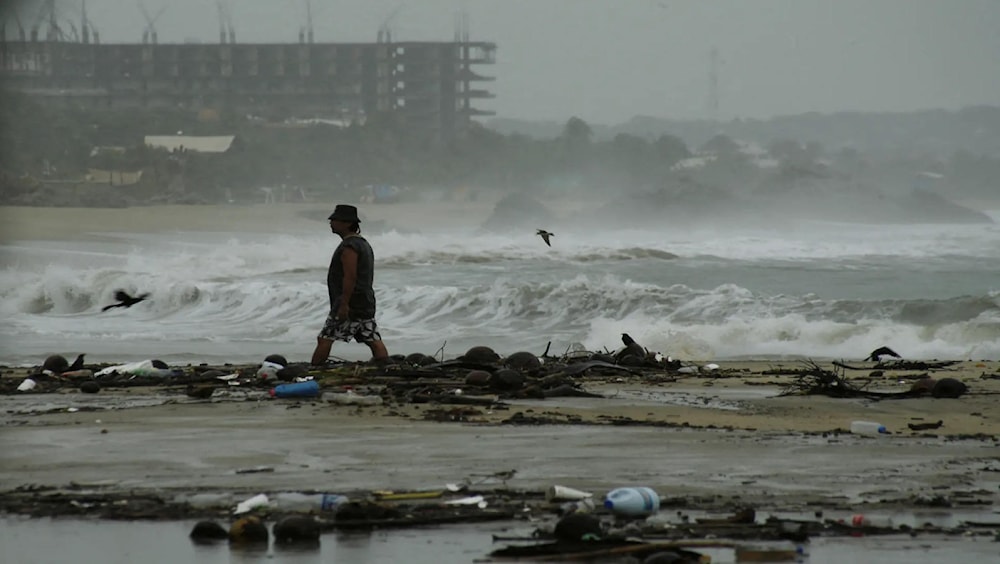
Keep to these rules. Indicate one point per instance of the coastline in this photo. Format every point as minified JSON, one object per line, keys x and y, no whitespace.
{"x":19,"y":223}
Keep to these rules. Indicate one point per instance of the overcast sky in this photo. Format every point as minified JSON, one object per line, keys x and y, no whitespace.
{"x":608,"y":60}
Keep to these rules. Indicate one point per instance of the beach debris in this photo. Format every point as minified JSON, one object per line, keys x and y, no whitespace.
{"x":276,"y":359}
{"x":153,"y":367}
{"x":90,"y":387}
{"x":477,"y":500}
{"x":949,"y":388}
{"x":577,"y":527}
{"x":55,"y":364}
{"x":925,"y":426}
{"x":563,"y":493}
{"x":297,"y":529}
{"x":308,"y":389}
{"x":247,"y":505}
{"x":27,"y":385}
{"x":480,"y":354}
{"x":208,"y":531}
{"x":523,"y":361}
{"x":880,"y":353}
{"x":293,"y":373}
{"x":248,"y":530}
{"x":269,"y":370}
{"x":77,"y":364}
{"x":632,"y":501}
{"x":125,"y":300}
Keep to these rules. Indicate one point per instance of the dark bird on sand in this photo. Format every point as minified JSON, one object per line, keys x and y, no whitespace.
{"x":632,"y":348}
{"x":125,"y":300}
{"x":880,"y":352}
{"x":545,"y":236}
{"x":77,"y":364}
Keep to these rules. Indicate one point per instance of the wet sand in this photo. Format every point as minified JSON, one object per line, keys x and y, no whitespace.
{"x":727,"y":437}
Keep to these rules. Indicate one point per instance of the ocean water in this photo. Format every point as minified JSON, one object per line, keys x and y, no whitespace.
{"x":799,"y":290}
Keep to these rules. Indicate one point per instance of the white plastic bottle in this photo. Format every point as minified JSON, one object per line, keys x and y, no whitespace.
{"x":636,"y":502}
{"x":868,"y":428}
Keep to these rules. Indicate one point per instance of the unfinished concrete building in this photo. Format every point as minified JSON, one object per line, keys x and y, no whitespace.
{"x":430,"y":86}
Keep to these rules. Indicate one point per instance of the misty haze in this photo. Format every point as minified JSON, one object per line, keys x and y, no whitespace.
{"x":640,"y":215}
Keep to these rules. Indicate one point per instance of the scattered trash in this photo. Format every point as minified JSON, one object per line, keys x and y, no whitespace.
{"x":269,"y":370}
{"x":868,"y":428}
{"x":587,"y":505}
{"x":308,"y":389}
{"x":636,"y":501}
{"x":477,"y":500}
{"x":259,"y":500}
{"x":295,"y":501}
{"x":156,"y":368}
{"x":562,"y":493}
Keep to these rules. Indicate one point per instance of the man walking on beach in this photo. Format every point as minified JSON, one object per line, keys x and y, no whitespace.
{"x":352,"y":297}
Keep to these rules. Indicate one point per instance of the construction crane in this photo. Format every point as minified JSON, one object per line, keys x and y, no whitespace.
{"x":149,"y":33}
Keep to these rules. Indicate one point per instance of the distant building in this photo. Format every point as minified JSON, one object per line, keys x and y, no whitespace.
{"x":430,"y":86}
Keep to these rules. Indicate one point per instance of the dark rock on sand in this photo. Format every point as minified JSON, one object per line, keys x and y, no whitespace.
{"x":523,"y":362}
{"x":923,"y":386}
{"x":575,"y":526}
{"x":248,"y":530}
{"x":506,"y":379}
{"x":90,"y":387}
{"x":364,"y":511}
{"x":949,"y":388}
{"x":419,"y":359}
{"x":477,"y":378}
{"x":481,"y":354}
{"x":296,"y":529}
{"x":290,"y":373}
{"x":208,"y":531}
{"x":56,"y":363}
{"x":276,"y":359}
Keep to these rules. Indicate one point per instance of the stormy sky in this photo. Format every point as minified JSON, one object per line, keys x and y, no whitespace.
{"x":607,"y":61}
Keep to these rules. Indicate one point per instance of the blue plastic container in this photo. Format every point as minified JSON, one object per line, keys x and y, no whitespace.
{"x":636,"y":502}
{"x":308,"y":389}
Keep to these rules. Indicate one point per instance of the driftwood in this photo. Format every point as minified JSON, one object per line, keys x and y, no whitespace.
{"x":814,"y":380}
{"x":581,"y":367}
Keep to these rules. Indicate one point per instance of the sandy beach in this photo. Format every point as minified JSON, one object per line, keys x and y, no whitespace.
{"x":660,"y":431}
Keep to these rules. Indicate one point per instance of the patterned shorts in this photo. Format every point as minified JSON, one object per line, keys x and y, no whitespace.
{"x":361,"y":330}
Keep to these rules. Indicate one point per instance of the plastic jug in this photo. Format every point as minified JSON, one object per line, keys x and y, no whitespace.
{"x":868,"y":428}
{"x":309,"y":389}
{"x":637,"y":501}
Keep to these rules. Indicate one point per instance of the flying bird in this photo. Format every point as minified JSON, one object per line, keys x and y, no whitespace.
{"x":125,"y":300}
{"x":545,"y":236}
{"x":880,"y":352}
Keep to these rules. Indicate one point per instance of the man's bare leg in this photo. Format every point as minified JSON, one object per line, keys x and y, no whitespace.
{"x":378,"y":350}
{"x":322,"y":352}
